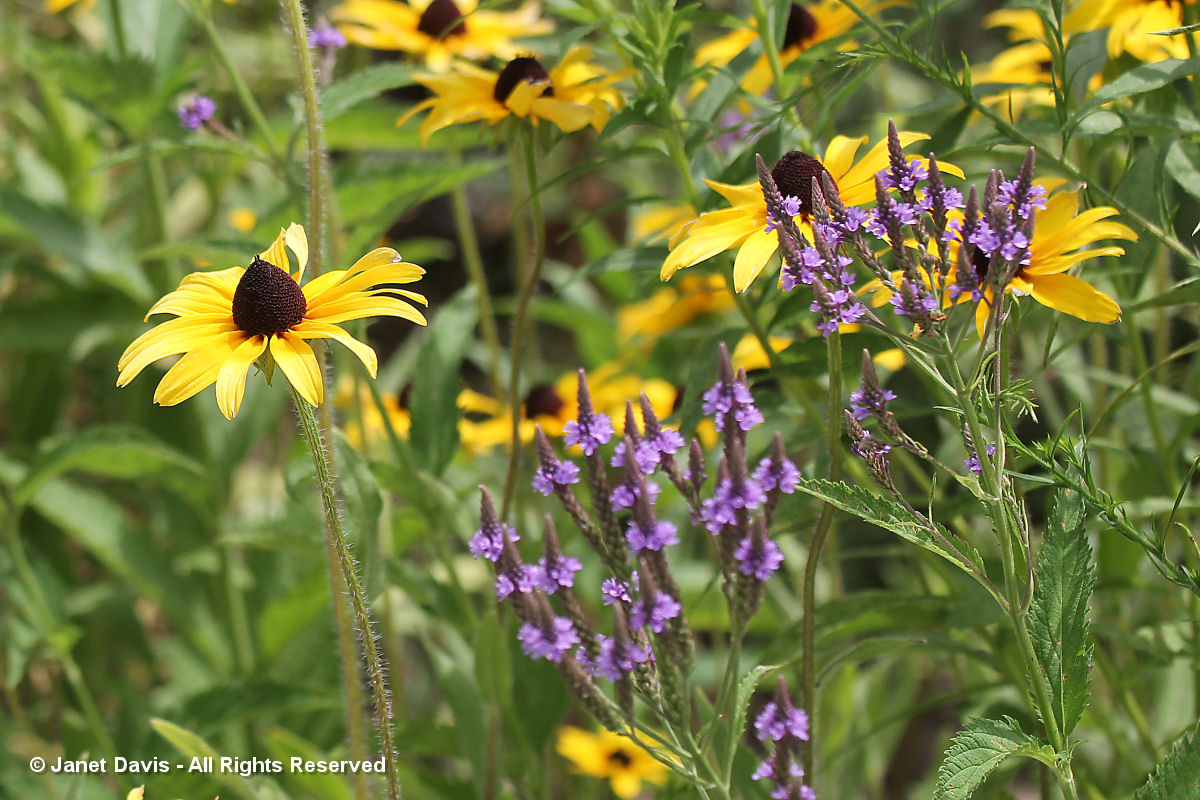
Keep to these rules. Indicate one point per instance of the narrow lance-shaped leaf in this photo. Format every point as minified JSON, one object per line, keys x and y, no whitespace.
{"x":1058,"y":618}
{"x":978,"y":749}
{"x":1177,"y":777}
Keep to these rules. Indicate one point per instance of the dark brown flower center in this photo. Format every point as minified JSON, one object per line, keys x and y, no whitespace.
{"x":619,"y":757}
{"x":801,"y":27}
{"x":980,"y":261}
{"x":542,"y":400}
{"x":794,"y":173}
{"x":441,"y":20}
{"x":521,"y":68}
{"x":267,"y":301}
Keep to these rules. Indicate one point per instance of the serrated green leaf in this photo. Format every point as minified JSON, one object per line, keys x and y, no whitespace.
{"x":1058,"y":617}
{"x":1177,"y":777}
{"x":111,"y":451}
{"x":887,"y":514}
{"x":363,"y":85}
{"x":1145,"y":78}
{"x":978,"y":749}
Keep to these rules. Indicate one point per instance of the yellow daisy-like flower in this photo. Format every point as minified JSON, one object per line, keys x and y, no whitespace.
{"x":1133,"y":26}
{"x":572,"y":95}
{"x":609,"y":755}
{"x":487,"y":423}
{"x":672,"y":307}
{"x":226,"y":320}
{"x":808,"y":24}
{"x":743,"y":225}
{"x":438,"y":30}
{"x":1060,"y":235}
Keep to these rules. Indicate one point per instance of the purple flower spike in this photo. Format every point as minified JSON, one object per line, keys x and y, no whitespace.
{"x":731,"y":398}
{"x":791,"y":207}
{"x":559,"y":473}
{"x":558,"y":573}
{"x":614,"y":662}
{"x":663,"y":534}
{"x":551,"y":645}
{"x":195,"y":112}
{"x":665,"y":608}
{"x":972,"y":464}
{"x":624,"y":496}
{"x":721,"y":509}
{"x":865,"y":401}
{"x":613,"y":590}
{"x":782,"y":476}
{"x":489,"y":540}
{"x":591,"y":429}
{"x":773,"y":723}
{"x":758,"y":559}
{"x":326,"y":37}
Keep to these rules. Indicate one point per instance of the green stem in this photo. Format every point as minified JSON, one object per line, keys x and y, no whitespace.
{"x":520,"y":319}
{"x":243,"y":644}
{"x":340,"y":552}
{"x":474,"y":263}
{"x":808,"y":631}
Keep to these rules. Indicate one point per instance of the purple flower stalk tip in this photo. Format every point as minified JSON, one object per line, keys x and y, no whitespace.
{"x":791,"y":207}
{"x":551,"y":645}
{"x":195,"y":112}
{"x":589,"y":432}
{"x":665,"y":608}
{"x":783,"y":476}
{"x":326,"y":37}
{"x":773,"y":723}
{"x":734,"y":398}
{"x":489,"y":540}
{"x":612,"y":661}
{"x":662,"y":534}
{"x":721,"y":509}
{"x":759,"y":560}
{"x":560,"y":473}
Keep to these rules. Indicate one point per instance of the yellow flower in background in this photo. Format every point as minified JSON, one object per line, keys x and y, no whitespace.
{"x":574,"y":94}
{"x":438,"y":30}
{"x":750,"y":354}
{"x":661,"y":222}
{"x":1133,"y":26}
{"x":242,"y":219}
{"x":487,"y":422}
{"x":367,"y":423}
{"x":808,"y":24}
{"x":672,"y":307}
{"x":743,"y":224}
{"x":605,"y":754}
{"x":1026,"y":64}
{"x":55,"y":6}
{"x":226,"y":320}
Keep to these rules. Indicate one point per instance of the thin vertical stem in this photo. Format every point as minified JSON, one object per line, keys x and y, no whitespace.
{"x":808,"y":674}
{"x":340,"y":551}
{"x":520,"y":320}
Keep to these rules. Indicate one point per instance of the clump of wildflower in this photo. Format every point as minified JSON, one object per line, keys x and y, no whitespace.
{"x":785,"y":727}
{"x":196,"y":111}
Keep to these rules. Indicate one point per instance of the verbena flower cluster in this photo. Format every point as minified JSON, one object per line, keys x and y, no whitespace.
{"x":783,"y":726}
{"x":940,"y":247}
{"x":649,"y":647}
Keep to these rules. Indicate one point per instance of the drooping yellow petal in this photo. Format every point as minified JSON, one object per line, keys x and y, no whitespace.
{"x":231,"y":378}
{"x":168,"y":339}
{"x":197,"y":369}
{"x":276,"y":254}
{"x":297,"y":241}
{"x":322,"y":330}
{"x":357,"y":307}
{"x":300,"y":365}
{"x":569,"y":117}
{"x":1076,"y":297}
{"x":705,"y":239}
{"x":752,"y":256}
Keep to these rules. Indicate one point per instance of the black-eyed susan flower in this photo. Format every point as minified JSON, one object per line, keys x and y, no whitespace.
{"x":672,"y":307}
{"x":229,"y":319}
{"x":744,"y":224}
{"x":605,"y":754}
{"x":438,"y":31}
{"x":808,"y":24}
{"x":574,"y":94}
{"x":1063,"y":238}
{"x":1134,"y":26}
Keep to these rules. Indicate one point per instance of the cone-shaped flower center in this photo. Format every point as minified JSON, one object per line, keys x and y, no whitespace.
{"x":543,"y":400}
{"x":794,"y":174}
{"x":267,"y":301}
{"x":522,"y":68}
{"x":801,"y":27}
{"x":980,"y":261}
{"x":441,"y":20}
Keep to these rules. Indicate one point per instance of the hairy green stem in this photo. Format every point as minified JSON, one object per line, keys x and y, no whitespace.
{"x":537,"y":258}
{"x":808,"y":631}
{"x":340,"y":550}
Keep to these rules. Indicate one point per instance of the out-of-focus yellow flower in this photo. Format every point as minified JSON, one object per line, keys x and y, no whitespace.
{"x":673,"y":307}
{"x":487,"y":422}
{"x":367,"y":424}
{"x":1133,"y":25}
{"x":574,"y":94}
{"x":605,"y":754}
{"x":661,"y":222}
{"x":808,"y":24}
{"x":439,"y":31}
{"x":242,"y":219}
{"x":750,"y":355}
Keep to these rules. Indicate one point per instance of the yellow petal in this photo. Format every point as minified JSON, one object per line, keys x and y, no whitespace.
{"x":1076,"y":297}
{"x":276,"y":254}
{"x":297,"y":240}
{"x":322,"y":330}
{"x":196,"y":370}
{"x":231,"y":379}
{"x":358,"y":306}
{"x":705,"y":239}
{"x":299,"y":364}
{"x":752,"y":256}
{"x":168,"y":339}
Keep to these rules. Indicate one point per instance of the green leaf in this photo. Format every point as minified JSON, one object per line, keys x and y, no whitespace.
{"x":1058,"y":617}
{"x":1177,"y":777}
{"x":1145,"y":78}
{"x":284,"y":744}
{"x":193,"y":746}
{"x":889,"y":515}
{"x":434,"y":409}
{"x":493,"y":663}
{"x":111,"y":451}
{"x":364,"y":85}
{"x":978,"y":749}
